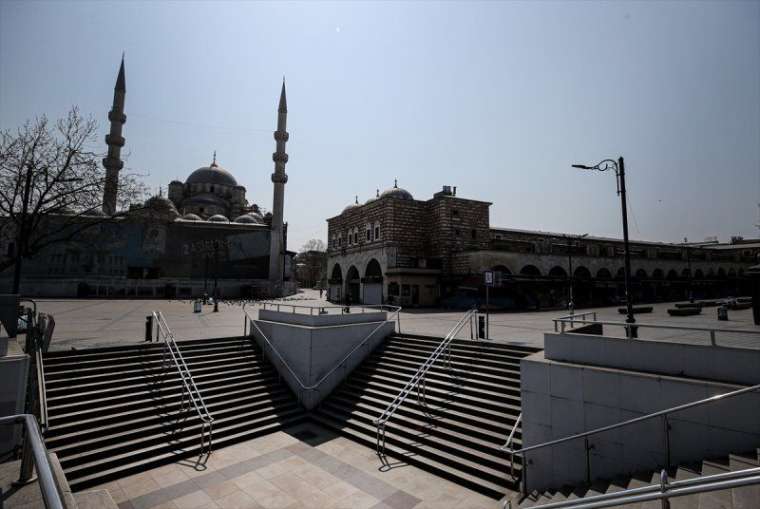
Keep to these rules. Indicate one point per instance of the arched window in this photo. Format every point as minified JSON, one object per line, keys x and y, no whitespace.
{"x":369,"y":232}
{"x":377,"y":231}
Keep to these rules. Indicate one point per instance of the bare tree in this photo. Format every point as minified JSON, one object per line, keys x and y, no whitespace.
{"x":51,"y":186}
{"x":314,"y":245}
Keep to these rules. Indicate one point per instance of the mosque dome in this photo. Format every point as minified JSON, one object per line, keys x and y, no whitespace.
{"x":191,"y":217}
{"x":352,"y":205}
{"x":397,"y":192}
{"x":249,"y":218}
{"x":373,"y":198}
{"x":162,"y":205}
{"x":218,"y":218}
{"x":204,"y":199}
{"x":213,"y":174}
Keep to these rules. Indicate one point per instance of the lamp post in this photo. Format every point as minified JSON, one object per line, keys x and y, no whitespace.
{"x":619,"y":167}
{"x":570,"y":245}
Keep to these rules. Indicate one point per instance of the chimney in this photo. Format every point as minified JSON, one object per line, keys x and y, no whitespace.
{"x":455,"y":190}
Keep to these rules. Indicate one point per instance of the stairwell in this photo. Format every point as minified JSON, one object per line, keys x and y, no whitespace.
{"x":471,"y":415}
{"x":746,"y":497}
{"x":116,"y":411}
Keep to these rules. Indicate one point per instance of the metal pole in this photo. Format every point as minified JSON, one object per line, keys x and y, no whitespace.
{"x":628,"y":297}
{"x":570,"y":303}
{"x":691,"y":277}
{"x":487,"y":314}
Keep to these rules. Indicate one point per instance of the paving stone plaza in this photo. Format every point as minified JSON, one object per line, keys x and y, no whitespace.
{"x":92,"y":323}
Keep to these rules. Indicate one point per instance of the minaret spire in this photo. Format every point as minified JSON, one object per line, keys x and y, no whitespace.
{"x":113,"y":163}
{"x":279,"y":179}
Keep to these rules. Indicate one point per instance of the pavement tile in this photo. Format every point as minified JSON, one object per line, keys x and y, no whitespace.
{"x":193,"y":500}
{"x":356,"y":500}
{"x":221,"y":489}
{"x":237,"y":500}
{"x":401,"y":500}
{"x":165,"y":478}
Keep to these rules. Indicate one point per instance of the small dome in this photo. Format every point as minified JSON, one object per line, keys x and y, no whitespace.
{"x":161,"y":205}
{"x":373,"y":198}
{"x":218,"y":218}
{"x":352,"y":205}
{"x":212,"y":174}
{"x":191,"y":217}
{"x":397,"y":192}
{"x":249,"y":219}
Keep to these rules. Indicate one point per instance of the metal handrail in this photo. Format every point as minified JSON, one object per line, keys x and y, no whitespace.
{"x":51,"y":492}
{"x":506,"y":445}
{"x":189,"y":389}
{"x":661,"y":413}
{"x":574,"y":318}
{"x":665,"y":490}
{"x":340,"y":363}
{"x":418,"y":381}
{"x":627,"y":326}
{"x":312,"y":309}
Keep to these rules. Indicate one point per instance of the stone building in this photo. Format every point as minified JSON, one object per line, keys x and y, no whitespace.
{"x":203,"y":235}
{"x":395,"y":249}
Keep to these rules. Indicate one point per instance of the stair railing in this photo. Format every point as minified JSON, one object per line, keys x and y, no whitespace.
{"x":659,"y":414}
{"x":663,"y":491}
{"x":35,"y":450}
{"x":508,"y":446}
{"x":191,"y":396}
{"x":396,"y":310}
{"x":418,"y":380}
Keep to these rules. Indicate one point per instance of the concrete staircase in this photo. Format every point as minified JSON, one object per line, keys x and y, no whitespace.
{"x":114,"y":411}
{"x":737,"y":498}
{"x":472,"y":416}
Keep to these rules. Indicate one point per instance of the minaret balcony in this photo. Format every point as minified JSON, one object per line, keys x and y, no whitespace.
{"x":115,"y":140}
{"x":113,"y":163}
{"x":280,"y":157}
{"x":281,"y":136}
{"x":279,"y":178}
{"x":115,"y":116}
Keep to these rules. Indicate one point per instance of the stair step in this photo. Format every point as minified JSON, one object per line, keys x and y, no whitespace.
{"x":439,"y":463}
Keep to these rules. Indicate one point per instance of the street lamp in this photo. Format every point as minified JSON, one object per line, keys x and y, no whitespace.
{"x":619,"y":167}
{"x":570,"y":245}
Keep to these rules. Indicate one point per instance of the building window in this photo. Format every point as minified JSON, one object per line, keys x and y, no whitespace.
{"x":377,"y":231}
{"x":356,"y":235}
{"x":393,"y":289}
{"x":369,"y":233}
{"x":457,"y":232}
{"x":406,"y":290}
{"x":212,"y":189}
{"x":454,"y":213}
{"x":474,"y":234}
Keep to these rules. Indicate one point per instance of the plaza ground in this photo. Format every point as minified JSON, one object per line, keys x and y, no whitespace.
{"x":82,"y":323}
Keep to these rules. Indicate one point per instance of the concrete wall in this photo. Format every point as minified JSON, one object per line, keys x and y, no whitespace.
{"x":312,"y":351}
{"x":14,"y":366}
{"x":316,"y":320}
{"x":562,"y":399}
{"x":732,"y":365}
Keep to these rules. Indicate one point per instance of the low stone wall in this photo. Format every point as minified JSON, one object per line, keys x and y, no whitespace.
{"x":732,"y":365}
{"x":562,"y":399}
{"x":311,"y":351}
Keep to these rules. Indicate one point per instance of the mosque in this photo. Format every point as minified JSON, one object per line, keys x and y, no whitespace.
{"x":202,"y":238}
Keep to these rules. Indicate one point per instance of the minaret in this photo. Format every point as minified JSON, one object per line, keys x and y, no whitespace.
{"x":113,"y":163}
{"x":279,"y":178}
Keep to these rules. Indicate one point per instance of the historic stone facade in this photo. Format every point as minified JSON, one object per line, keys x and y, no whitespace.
{"x":395,"y":249}
{"x":203,"y":236}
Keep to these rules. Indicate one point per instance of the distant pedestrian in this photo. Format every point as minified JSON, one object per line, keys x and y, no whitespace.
{"x":320,"y":293}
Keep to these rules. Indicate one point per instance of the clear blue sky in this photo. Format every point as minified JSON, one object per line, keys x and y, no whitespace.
{"x":496,"y":98}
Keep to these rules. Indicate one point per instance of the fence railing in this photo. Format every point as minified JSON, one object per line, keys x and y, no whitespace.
{"x":418,"y":380}
{"x":191,"y":396}
{"x":341,"y":363}
{"x":36,"y":452}
{"x":572,"y":319}
{"x":663,"y":491}
{"x":508,"y":445}
{"x":560,"y":325}
{"x":663,"y":414}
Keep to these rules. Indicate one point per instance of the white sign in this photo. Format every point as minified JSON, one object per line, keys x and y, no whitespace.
{"x":489,"y":277}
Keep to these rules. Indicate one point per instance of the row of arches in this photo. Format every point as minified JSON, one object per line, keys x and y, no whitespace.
{"x":582,"y":272}
{"x":356,"y":288}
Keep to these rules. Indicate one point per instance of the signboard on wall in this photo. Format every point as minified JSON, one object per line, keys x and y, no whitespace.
{"x":489,"y":278}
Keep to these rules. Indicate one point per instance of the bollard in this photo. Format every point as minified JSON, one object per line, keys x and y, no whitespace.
{"x":149,"y":328}
{"x":723,"y":313}
{"x":481,"y":327}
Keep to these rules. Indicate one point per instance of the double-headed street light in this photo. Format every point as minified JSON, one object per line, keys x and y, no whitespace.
{"x":619,"y":167}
